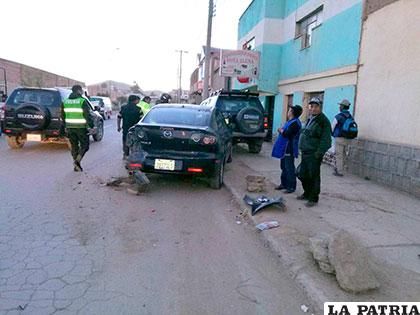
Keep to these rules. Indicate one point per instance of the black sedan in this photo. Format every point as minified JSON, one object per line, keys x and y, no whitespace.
{"x":181,"y":139}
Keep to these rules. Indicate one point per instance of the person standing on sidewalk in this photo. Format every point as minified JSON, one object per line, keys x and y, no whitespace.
{"x":341,"y":137}
{"x":78,"y":124}
{"x":314,"y":142}
{"x":286,"y":149}
{"x":130,"y":115}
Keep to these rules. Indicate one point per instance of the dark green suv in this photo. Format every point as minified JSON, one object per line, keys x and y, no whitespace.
{"x":244,"y":114}
{"x":35,"y":114}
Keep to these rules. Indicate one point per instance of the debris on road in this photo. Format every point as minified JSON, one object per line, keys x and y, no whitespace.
{"x":255,"y":183}
{"x":135,"y":184}
{"x":351,"y":263}
{"x":319,"y":248}
{"x":262,"y":202}
{"x":267,"y":225}
{"x":304,"y":308}
{"x":238,"y":222}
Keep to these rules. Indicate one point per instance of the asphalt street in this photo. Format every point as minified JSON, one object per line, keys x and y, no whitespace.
{"x":69,"y":245}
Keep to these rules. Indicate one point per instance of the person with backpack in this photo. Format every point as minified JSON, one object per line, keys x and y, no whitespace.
{"x":286,"y":148}
{"x":344,"y":128}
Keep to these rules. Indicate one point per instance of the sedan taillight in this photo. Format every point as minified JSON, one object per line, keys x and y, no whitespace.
{"x":209,"y":140}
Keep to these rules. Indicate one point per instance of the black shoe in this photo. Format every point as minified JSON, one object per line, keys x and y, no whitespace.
{"x":311,"y":204}
{"x":302,"y":197}
{"x":77,"y":167}
{"x":280,"y":187}
{"x":289,"y":191}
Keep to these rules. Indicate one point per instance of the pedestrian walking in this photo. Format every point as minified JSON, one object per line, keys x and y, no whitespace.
{"x":314,"y":142}
{"x":130,"y":114}
{"x":286,"y":149}
{"x":78,"y":125}
{"x":144,"y":105}
{"x":344,"y":128}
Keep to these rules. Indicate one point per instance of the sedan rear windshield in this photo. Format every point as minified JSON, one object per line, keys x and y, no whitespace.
{"x":178,"y":116}
{"x":236,"y":103}
{"x":38,"y":97}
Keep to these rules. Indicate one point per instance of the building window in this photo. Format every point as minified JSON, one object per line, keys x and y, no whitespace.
{"x":305,"y":27}
{"x":249,"y":45}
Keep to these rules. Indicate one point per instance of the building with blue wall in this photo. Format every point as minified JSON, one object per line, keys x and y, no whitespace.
{"x":308,"y":48}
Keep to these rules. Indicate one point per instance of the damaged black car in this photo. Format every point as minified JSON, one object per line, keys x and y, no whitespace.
{"x":181,"y":139}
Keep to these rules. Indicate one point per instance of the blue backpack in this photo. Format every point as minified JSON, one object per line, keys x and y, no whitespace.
{"x":350,"y":128}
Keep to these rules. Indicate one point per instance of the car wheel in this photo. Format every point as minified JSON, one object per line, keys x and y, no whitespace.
{"x":254,"y":146}
{"x":99,"y":133}
{"x":216,"y":181}
{"x":15,"y":142}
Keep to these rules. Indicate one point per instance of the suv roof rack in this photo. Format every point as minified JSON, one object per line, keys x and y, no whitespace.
{"x":235,"y":92}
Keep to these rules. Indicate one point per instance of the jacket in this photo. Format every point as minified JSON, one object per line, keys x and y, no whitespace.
{"x":316,"y":136}
{"x":86,"y":110}
{"x":287,"y":141}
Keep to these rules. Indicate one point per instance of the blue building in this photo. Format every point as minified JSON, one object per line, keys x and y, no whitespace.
{"x":308,"y":48}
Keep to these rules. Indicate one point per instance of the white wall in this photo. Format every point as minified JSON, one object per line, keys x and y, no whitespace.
{"x":388,"y":98}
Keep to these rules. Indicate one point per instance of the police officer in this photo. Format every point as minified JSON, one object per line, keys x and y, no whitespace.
{"x":78,"y":121}
{"x":144,"y":105}
{"x":130,"y":115}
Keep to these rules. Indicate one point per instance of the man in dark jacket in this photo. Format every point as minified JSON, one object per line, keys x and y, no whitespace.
{"x":314,"y":141}
{"x":77,"y":119}
{"x":130,"y":115}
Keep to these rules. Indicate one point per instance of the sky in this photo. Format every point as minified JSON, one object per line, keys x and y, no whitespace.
{"x":121,"y":40}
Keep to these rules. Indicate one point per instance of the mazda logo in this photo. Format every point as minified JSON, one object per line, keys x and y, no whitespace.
{"x":167,"y":134}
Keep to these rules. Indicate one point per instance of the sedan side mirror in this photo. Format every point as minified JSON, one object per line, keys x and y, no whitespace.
{"x":97,"y":108}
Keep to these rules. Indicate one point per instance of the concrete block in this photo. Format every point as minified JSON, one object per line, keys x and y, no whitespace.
{"x":415,"y":187}
{"x":416,"y":153}
{"x":382,"y":147}
{"x":385,"y":163}
{"x":393,"y":164}
{"x":377,"y":162}
{"x":411,"y":168}
{"x":401,"y":166}
{"x":394,"y":150}
{"x":406,"y":152}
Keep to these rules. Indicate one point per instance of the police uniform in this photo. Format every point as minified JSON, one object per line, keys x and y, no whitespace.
{"x":77,"y":120}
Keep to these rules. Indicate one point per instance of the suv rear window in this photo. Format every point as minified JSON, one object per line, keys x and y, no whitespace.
{"x":178,"y":116}
{"x":236,"y":103}
{"x":38,"y":97}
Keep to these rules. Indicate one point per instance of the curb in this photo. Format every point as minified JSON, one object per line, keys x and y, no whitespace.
{"x":305,"y":280}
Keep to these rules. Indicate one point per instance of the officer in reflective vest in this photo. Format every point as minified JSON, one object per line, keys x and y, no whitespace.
{"x":144,"y":105}
{"x":77,"y":120}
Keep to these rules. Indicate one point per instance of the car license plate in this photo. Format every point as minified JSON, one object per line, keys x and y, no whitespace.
{"x":166,"y":165}
{"x":31,"y":137}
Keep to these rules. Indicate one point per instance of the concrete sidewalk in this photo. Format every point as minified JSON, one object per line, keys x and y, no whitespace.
{"x":386,"y":221}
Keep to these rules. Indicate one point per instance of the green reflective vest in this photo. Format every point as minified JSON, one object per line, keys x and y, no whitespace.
{"x":145,"y":107}
{"x":73,"y":113}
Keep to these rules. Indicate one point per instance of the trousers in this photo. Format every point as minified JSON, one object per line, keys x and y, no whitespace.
{"x":310,"y":176}
{"x":79,"y":140}
{"x":288,"y":172}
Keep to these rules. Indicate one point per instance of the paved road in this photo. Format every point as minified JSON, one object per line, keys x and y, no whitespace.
{"x":69,"y":245}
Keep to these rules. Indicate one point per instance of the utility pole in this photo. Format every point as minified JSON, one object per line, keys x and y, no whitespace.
{"x":181,"y":52}
{"x":207,"y":52}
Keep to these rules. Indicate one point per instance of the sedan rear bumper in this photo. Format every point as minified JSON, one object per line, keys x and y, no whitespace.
{"x":191,"y":163}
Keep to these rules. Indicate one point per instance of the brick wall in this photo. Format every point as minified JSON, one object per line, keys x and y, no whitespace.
{"x":22,"y":75}
{"x":394,"y":165}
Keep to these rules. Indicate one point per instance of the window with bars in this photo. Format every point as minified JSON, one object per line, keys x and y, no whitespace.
{"x":305,"y":27}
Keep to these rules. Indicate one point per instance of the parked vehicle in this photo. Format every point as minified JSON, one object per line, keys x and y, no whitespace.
{"x":105,"y":105}
{"x":35,"y":114}
{"x":244,"y":114}
{"x":181,"y":139}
